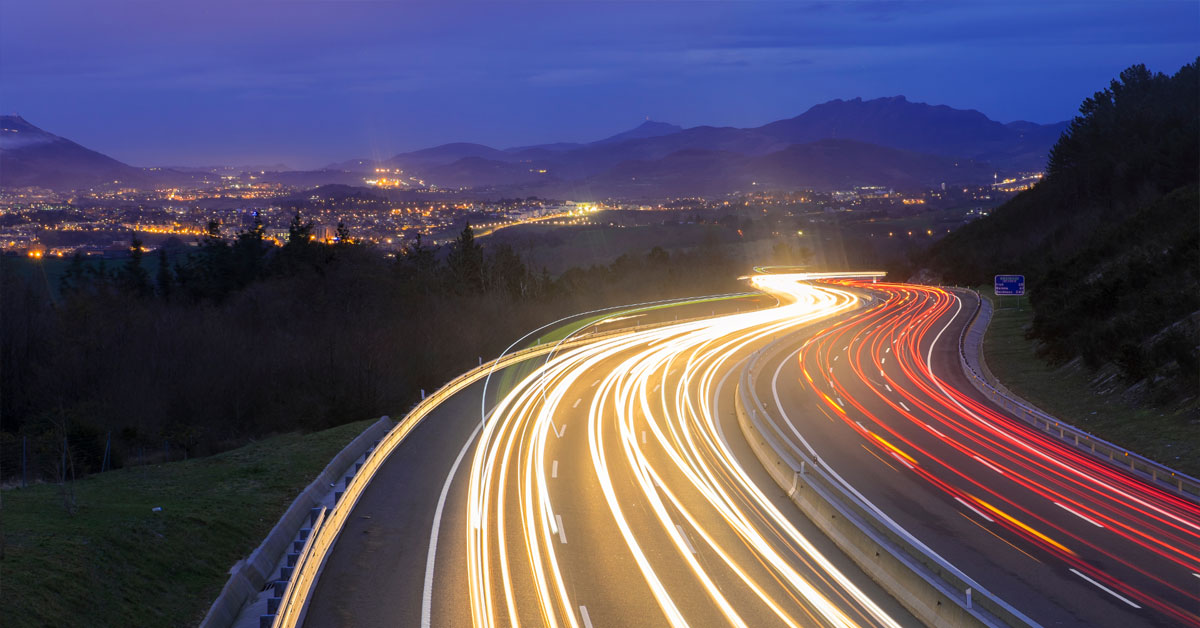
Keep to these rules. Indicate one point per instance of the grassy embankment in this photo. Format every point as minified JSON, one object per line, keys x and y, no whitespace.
{"x":115,"y":562}
{"x":1171,"y":437}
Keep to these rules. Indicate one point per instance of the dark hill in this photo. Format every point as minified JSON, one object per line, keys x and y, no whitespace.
{"x":1109,"y":239}
{"x":30,"y":156}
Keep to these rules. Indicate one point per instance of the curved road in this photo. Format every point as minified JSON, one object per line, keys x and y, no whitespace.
{"x":1064,"y":537}
{"x":609,"y":488}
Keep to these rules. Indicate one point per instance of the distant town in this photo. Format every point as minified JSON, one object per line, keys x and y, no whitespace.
{"x":37,"y":222}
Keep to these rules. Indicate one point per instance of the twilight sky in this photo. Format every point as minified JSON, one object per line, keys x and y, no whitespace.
{"x":308,"y":83}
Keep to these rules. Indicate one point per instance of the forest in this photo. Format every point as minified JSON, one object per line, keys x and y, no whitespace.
{"x":238,"y":338}
{"x":1109,"y":240}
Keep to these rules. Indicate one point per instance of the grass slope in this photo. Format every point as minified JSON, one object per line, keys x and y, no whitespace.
{"x":1171,"y":437}
{"x":114,"y":562}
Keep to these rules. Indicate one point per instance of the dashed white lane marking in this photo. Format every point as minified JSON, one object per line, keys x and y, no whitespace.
{"x":882,"y":360}
{"x":846,"y":348}
{"x":836,"y":357}
{"x":841,"y":403}
{"x":888,"y":350}
{"x":905,"y":407}
{"x":656,"y":387}
{"x":562,"y":534}
{"x":684,"y":536}
{"x":587,"y":621}
{"x":594,"y":383}
{"x":889,"y":388}
{"x":988,"y":465}
{"x":1105,"y":589}
{"x":643,"y":437}
{"x":554,"y":469}
{"x":974,"y":509}
{"x":576,"y":403}
{"x":901,"y":459}
{"x":558,"y":432}
{"x":1080,"y":515}
{"x":935,"y":430}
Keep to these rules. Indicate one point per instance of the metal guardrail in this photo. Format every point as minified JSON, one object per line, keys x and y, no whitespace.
{"x":1155,"y":472}
{"x":925,"y":564}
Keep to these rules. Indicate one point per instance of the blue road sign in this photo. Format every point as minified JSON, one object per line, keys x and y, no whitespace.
{"x":1010,"y":285}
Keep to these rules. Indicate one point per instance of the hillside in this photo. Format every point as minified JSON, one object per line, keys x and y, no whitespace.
{"x":30,"y":156}
{"x":1108,"y":240}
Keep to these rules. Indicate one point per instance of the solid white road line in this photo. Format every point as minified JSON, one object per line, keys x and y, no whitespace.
{"x":427,"y":593}
{"x":562,"y":535}
{"x":554,"y":469}
{"x":1105,"y":589}
{"x":1080,"y":515}
{"x":974,"y":509}
{"x":587,"y":621}
{"x":684,"y":536}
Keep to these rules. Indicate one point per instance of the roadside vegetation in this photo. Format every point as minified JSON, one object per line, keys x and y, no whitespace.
{"x":1069,"y":391}
{"x":1108,"y":241}
{"x":95,"y":552}
{"x":137,"y":363}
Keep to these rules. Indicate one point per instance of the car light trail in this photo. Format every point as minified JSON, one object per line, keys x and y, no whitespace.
{"x":1128,"y":537}
{"x":681,"y":510}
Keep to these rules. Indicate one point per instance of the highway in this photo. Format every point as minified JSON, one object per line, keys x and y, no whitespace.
{"x":1065,"y":538}
{"x":610,"y":485}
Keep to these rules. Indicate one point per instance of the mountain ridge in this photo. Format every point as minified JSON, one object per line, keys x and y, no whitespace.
{"x":955,"y":136}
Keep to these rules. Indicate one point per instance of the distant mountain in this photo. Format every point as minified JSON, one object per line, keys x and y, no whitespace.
{"x":30,"y":156}
{"x":649,"y":128}
{"x":822,"y":165}
{"x":922,"y":128}
{"x":965,"y":143}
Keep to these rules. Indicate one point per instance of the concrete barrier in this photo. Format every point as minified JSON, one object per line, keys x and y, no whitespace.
{"x":933,"y":590}
{"x":250,"y":575}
